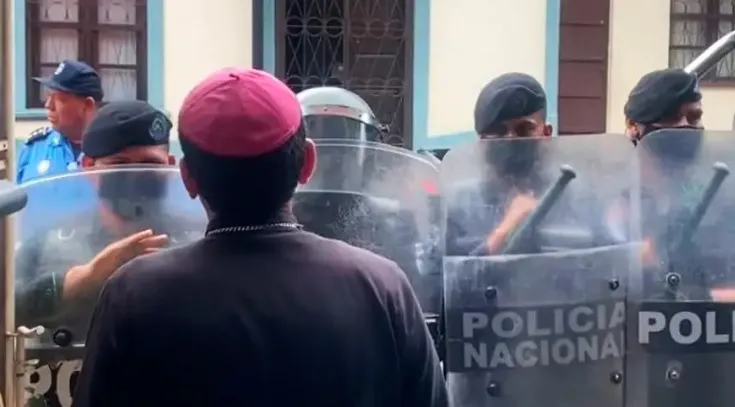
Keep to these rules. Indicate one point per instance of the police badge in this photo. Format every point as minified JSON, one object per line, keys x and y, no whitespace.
{"x":159,"y":129}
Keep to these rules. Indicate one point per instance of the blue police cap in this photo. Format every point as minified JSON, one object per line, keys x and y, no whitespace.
{"x":75,"y":77}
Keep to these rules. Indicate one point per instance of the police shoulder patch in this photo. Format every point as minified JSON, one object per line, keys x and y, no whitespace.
{"x":38,"y":134}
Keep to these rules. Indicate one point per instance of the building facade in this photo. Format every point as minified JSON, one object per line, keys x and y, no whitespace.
{"x":420,"y":63}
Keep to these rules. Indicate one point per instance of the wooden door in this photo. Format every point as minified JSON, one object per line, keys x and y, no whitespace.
{"x":583,"y":57}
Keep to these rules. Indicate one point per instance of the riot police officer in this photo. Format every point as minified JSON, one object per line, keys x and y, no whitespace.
{"x":662,"y":99}
{"x":664,"y":120}
{"x":667,"y":98}
{"x":511,"y":105}
{"x":499,"y":196}
{"x":337,"y":113}
{"x":124,"y":132}
{"x":75,"y":91}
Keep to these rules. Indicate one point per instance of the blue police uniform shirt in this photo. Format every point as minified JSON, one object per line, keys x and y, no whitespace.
{"x":46,"y":152}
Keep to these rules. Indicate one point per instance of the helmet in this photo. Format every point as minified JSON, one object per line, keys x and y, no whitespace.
{"x":336,"y":113}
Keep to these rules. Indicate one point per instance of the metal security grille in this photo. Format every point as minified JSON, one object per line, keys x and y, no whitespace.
{"x":362,"y":45}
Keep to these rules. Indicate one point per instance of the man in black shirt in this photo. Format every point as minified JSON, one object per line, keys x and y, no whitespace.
{"x":60,"y":270}
{"x":259,"y":312}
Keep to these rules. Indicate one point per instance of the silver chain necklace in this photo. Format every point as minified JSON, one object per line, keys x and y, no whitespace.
{"x":255,"y":228}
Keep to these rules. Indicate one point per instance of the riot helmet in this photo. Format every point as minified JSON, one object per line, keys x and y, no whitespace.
{"x":337,"y":113}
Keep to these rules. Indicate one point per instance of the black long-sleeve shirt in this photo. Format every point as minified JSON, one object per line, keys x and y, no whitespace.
{"x":269,"y":319}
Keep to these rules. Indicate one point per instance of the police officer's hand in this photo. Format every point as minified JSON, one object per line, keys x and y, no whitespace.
{"x":91,"y":275}
{"x":723,"y":294}
{"x":520,"y":207}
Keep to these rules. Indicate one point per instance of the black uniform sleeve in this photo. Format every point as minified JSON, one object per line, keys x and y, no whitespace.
{"x":105,"y":377}
{"x":37,"y":291}
{"x":423,"y":381}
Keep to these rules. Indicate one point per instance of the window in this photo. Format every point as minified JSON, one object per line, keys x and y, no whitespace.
{"x":696,"y":24}
{"x":110,"y":35}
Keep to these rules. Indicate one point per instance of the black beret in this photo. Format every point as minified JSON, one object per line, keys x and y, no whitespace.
{"x":122,"y":124}
{"x":659,"y":93}
{"x":509,"y":96}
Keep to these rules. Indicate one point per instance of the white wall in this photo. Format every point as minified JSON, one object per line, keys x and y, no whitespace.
{"x":200,"y":37}
{"x":640,"y":44}
{"x":473,"y":41}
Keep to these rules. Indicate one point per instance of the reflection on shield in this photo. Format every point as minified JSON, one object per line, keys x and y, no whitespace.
{"x":538,"y":319}
{"x":119,"y":202}
{"x":339,"y":127}
{"x":337,"y":113}
{"x":372,"y":196}
{"x":683,"y":310}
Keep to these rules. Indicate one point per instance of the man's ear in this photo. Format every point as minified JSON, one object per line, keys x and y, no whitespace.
{"x":189,"y":182}
{"x":631,"y":130}
{"x":548,"y":130}
{"x":87,"y":162}
{"x":90,"y":104}
{"x":307,"y":170}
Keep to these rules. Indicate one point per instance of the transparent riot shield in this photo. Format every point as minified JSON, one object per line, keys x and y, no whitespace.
{"x":682,"y":315}
{"x":535,"y":271}
{"x":54,"y":296}
{"x":382,"y":199}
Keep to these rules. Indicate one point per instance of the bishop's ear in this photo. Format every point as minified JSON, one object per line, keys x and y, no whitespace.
{"x":307,"y":170}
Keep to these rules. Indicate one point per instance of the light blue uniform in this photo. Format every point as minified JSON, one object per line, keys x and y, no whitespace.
{"x":46,"y":152}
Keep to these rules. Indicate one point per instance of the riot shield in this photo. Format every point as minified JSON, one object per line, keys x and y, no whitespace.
{"x":379,"y":198}
{"x":535,"y":275}
{"x":51,"y":292}
{"x":683,"y":313}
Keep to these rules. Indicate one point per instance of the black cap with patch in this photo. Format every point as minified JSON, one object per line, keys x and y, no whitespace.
{"x":509,"y":96}
{"x":658,"y":94}
{"x":122,"y":124}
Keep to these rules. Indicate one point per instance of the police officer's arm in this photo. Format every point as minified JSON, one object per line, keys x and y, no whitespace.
{"x":423,"y":381}
{"x":37,"y":291}
{"x":106,"y":377}
{"x":23,"y":161}
{"x":81,"y":279}
{"x":26,"y":153}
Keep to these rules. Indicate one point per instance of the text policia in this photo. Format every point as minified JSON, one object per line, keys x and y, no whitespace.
{"x":530,"y":337}
{"x":689,"y":326}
